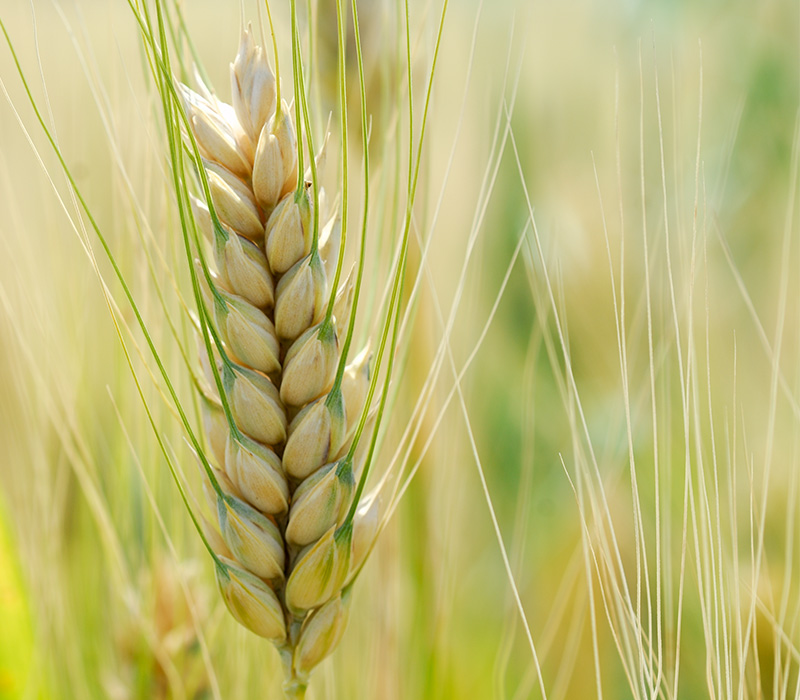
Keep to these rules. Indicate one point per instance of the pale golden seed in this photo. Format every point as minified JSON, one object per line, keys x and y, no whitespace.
{"x":215,"y":135}
{"x":234,"y":201}
{"x":252,"y":86}
{"x":319,"y":503}
{"x":248,"y":333}
{"x":301,"y":295}
{"x":316,"y":434}
{"x":246,"y":270}
{"x":251,"y":601}
{"x":275,"y":163}
{"x":310,"y":366}
{"x":283,"y":130}
{"x":256,"y":472}
{"x":255,"y":540}
{"x":268,"y":174}
{"x":256,"y":407}
{"x":320,"y":571}
{"x":289,"y":232}
{"x":321,"y":632}
{"x":246,"y":145}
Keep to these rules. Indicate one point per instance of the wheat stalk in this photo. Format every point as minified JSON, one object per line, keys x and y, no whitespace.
{"x":284,"y":418}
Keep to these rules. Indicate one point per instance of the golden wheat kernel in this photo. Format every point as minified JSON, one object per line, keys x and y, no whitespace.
{"x":215,"y":135}
{"x":248,"y":333}
{"x":316,"y":433}
{"x":310,"y":365}
{"x":365,"y":529}
{"x":283,"y":129}
{"x":256,"y":472}
{"x":246,"y":145}
{"x":321,"y":632}
{"x":246,"y":270}
{"x":267,"y":171}
{"x":255,"y":541}
{"x":275,"y":164}
{"x":256,"y":406}
{"x":320,"y":502}
{"x":301,"y":297}
{"x":233,"y":201}
{"x":252,"y":86}
{"x":320,"y":571}
{"x":252,"y":602}
{"x":289,"y":231}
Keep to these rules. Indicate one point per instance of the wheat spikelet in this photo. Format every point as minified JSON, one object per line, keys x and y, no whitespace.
{"x":280,"y":425}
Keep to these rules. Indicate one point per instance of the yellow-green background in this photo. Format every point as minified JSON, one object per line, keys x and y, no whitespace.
{"x":434,"y":616}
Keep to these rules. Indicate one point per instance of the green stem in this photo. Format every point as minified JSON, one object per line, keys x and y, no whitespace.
{"x":294,"y":687}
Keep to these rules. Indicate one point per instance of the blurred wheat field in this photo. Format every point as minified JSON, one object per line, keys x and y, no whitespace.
{"x":606,"y":486}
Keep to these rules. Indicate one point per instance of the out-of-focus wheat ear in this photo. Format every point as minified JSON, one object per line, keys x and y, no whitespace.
{"x":234,"y":201}
{"x":310,"y":365}
{"x":321,"y":632}
{"x":214,"y":135}
{"x":289,"y":231}
{"x":244,"y":270}
{"x":320,"y":570}
{"x":252,"y":602}
{"x":301,"y":297}
{"x":320,"y":502}
{"x":254,"y":539}
{"x":252,"y":86}
{"x":316,"y":434}
{"x":256,"y":406}
{"x":275,"y":164}
{"x":256,"y":472}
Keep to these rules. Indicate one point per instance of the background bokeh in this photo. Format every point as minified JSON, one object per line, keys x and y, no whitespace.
{"x":632,"y":405}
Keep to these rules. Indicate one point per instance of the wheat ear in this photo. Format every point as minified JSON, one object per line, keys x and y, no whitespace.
{"x":281,"y":420}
